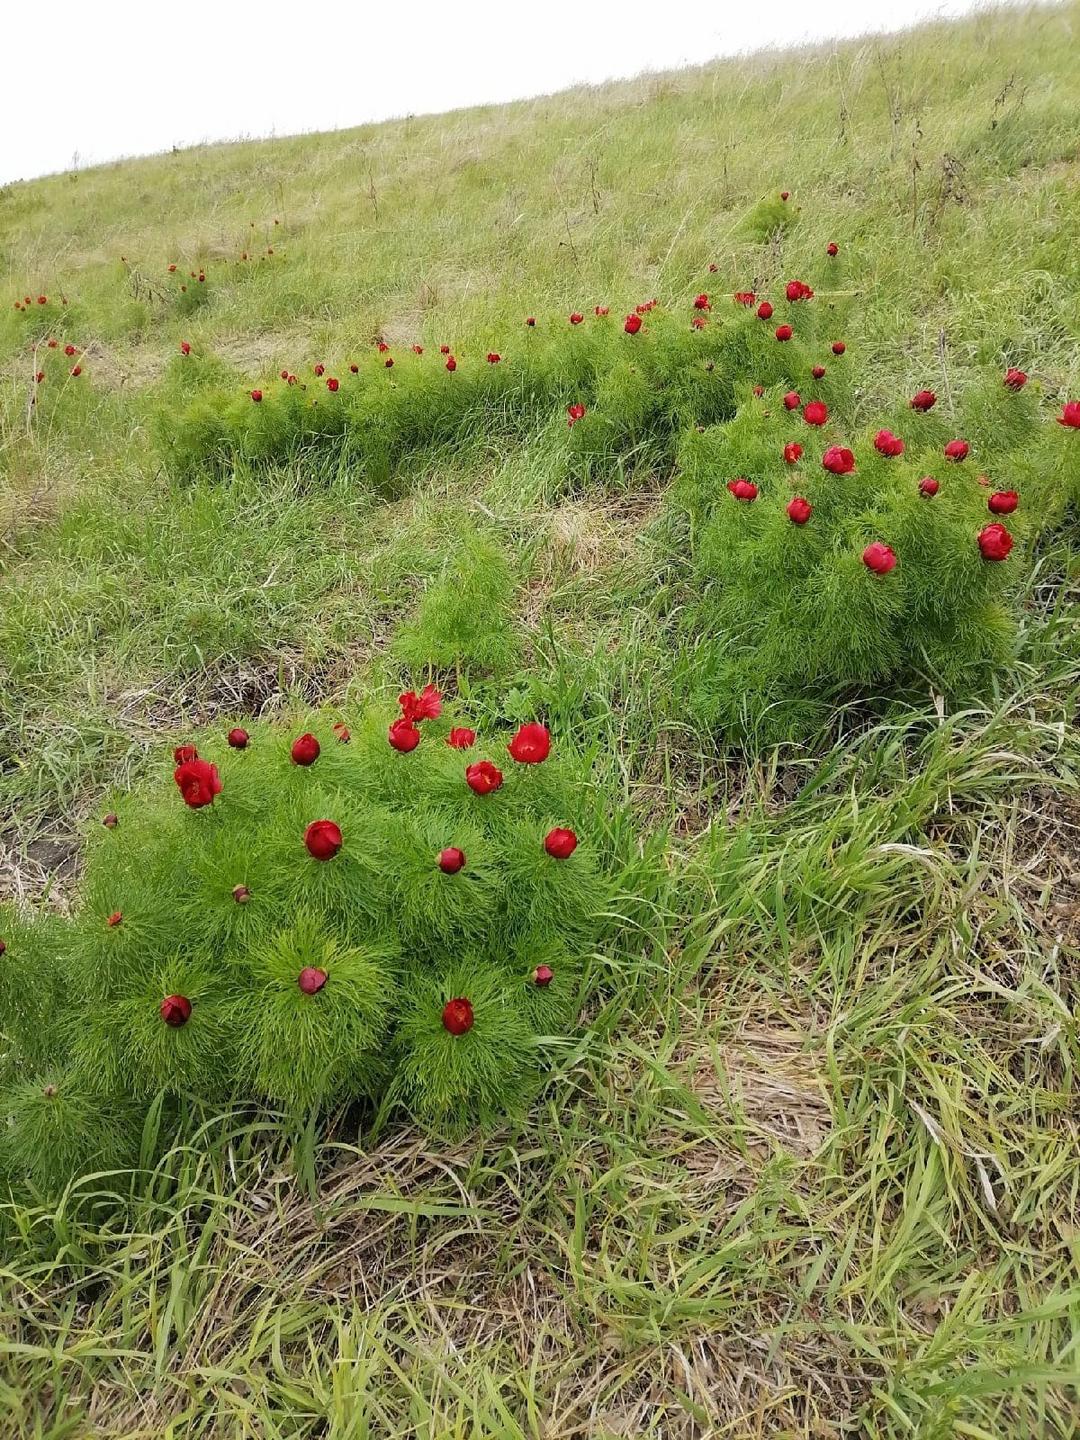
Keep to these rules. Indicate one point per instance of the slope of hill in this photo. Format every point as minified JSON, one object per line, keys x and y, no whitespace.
{"x":811,"y":1168}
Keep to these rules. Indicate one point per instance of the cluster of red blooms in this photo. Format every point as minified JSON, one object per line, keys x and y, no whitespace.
{"x":199,"y":783}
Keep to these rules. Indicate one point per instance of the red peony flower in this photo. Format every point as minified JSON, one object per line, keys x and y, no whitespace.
{"x":76,"y":370}
{"x":792,"y":400}
{"x":342,"y":733}
{"x":923,"y":400}
{"x":403,"y":735}
{"x":784,"y":194}
{"x":832,"y":248}
{"x":332,"y":384}
{"x":457,"y":1015}
{"x":1070,"y":415}
{"x":42,"y":299}
{"x":1003,"y":502}
{"x":305,"y":749}
{"x":451,"y":860}
{"x":388,"y":363}
{"x":425,"y":706}
{"x":799,"y":510}
{"x":1015,"y":379}
{"x":172,"y":269}
{"x":816,"y":412}
{"x":382,"y":346}
{"x":798,"y":290}
{"x":601,"y":310}
{"x":698,"y":322}
{"x":199,"y":782}
{"x":575,"y":412}
{"x":531,"y":744}
{"x":838,"y":461}
{"x":759,"y":390}
{"x":701,"y":302}
{"x":292,"y":379}
{"x":185,"y":347}
{"x":764,"y":311}
{"x":713,"y":267}
{"x":483,"y":777}
{"x":576,"y":318}
{"x":838,"y":347}
{"x":256,"y":395}
{"x":560,"y":844}
{"x":928,"y":486}
{"x":39,"y":377}
{"x":818,"y":372}
{"x":175,"y":1010}
{"x":543,"y":976}
{"x":530,"y":320}
{"x":792,"y":452}
{"x":493,"y":357}
{"x":879,"y":558}
{"x":451,"y":364}
{"x":238,"y":738}
{"x":632,"y":324}
{"x":444,"y":349}
{"x":886,"y":443}
{"x":742,"y":489}
{"x":311,"y":979}
{"x":784,"y":332}
{"x":115,"y":919}
{"x":995,"y":542}
{"x":957,"y":450}
{"x":461,"y":738}
{"x":52,"y":344}
{"x":320,"y":369}
{"x":183,"y":753}
{"x":354,"y":369}
{"x":744,"y":297}
{"x":284,"y":375}
{"x":417,"y":349}
{"x":323,"y":839}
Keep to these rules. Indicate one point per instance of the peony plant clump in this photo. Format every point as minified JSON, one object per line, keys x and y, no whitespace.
{"x":398,"y":912}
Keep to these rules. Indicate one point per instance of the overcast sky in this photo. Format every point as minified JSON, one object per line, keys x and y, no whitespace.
{"x":98,"y":79}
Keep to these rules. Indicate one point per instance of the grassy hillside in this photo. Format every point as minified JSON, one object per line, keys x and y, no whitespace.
{"x":811,"y":1166}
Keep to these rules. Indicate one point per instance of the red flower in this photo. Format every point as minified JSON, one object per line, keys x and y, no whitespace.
{"x":39,"y":377}
{"x":1003,"y":502}
{"x":576,"y":318}
{"x":115,"y":919}
{"x":284,"y":375}
{"x":1070,"y":415}
{"x":451,"y":364}
{"x":183,"y":753}
{"x":838,"y":347}
{"x":417,"y":349}
{"x":311,"y":979}
{"x":172,"y":269}
{"x":792,"y":400}
{"x":388,"y":363}
{"x":713,"y":267}
{"x":332,"y":384}
{"x":256,"y":395}
{"x":292,"y":379}
{"x":305,"y":749}
{"x":185,"y":347}
{"x":798,"y":290}
{"x":832,"y":248}
{"x":792,"y":452}
{"x":483,"y":777}
{"x":444,"y":349}
{"x":320,"y":369}
{"x":759,"y":390}
{"x":175,"y":1010}
{"x":632,"y":324}
{"x":530,"y":320}
{"x":886,"y":443}
{"x":701,"y":302}
{"x":425,"y":706}
{"x":958,"y":449}
{"x":42,"y":299}
{"x":799,"y":510}
{"x":995,"y":542}
{"x":818,"y":372}
{"x":601,"y":310}
{"x":342,"y":732}
{"x":575,"y":412}
{"x":238,"y":738}
{"x":816,"y":413}
{"x":457,"y":1015}
{"x":764,"y":311}
{"x":698,"y":322}
{"x":354,"y":369}
{"x":879,"y":558}
{"x":784,"y":332}
{"x":1015,"y":379}
{"x":784,"y":194}
{"x":742,"y":489}
{"x":199,"y":782}
{"x":744,"y":297}
{"x":543,"y":976}
{"x":531,"y":744}
{"x":923,"y":400}
{"x":838,"y":461}
{"x":76,"y":370}
{"x":461,"y":738}
{"x":928,"y":486}
{"x":451,"y":860}
{"x":323,"y":839}
{"x":560,"y":844}
{"x":52,"y":344}
{"x":493,"y":357}
{"x":403,"y":735}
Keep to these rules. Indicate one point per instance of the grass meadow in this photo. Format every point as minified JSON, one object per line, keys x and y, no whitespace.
{"x":810,"y":1167}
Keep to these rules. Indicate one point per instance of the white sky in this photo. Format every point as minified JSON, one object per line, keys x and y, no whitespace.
{"x":106,"y":78}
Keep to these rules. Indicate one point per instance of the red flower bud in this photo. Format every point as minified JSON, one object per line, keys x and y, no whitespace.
{"x":241,"y":894}
{"x":838,"y":460}
{"x":461,"y":737}
{"x":531,"y":744}
{"x":632,"y":324}
{"x":198,"y":781}
{"x":323,"y":839}
{"x":185,"y":347}
{"x":110,"y":822}
{"x":39,"y":377}
{"x":175,"y":1010}
{"x":575,"y":412}
{"x":818,"y":372}
{"x":451,"y":364}
{"x":798,"y":290}
{"x":76,"y":371}
{"x":743,"y":297}
{"x":482,"y":777}
{"x":928,"y":486}
{"x":759,"y":390}
{"x":816,"y":412}
{"x":784,"y":194}
{"x":256,"y":395}
{"x":543,"y":976}
{"x":305,"y":749}
{"x":784,"y":332}
{"x":799,"y":510}
{"x":1003,"y":502}
{"x":601,"y":310}
{"x":319,"y":369}
{"x":451,"y":860}
{"x":832,"y":248}
{"x":886,"y":443}
{"x":69,"y":350}
{"x":576,"y":319}
{"x":457,"y":1016}
{"x":388,"y":363}
{"x":115,"y":919}
{"x":1015,"y":379}
{"x":838,"y":347}
{"x":792,"y":452}
{"x":444,"y":349}
{"x":341,"y":732}
{"x":530,"y":320}
{"x":923,"y":400}
{"x":354,"y":369}
{"x":792,"y":400}
{"x":764,"y":311}
{"x":332,"y":384}
{"x":743,"y":489}
{"x":493,"y":357}
{"x":560,"y":844}
{"x":238,"y":738}
{"x":879,"y":558}
{"x":957,"y":450}
{"x":403,"y":735}
{"x":311,"y":979}
{"x":995,"y":542}
{"x":701,"y":302}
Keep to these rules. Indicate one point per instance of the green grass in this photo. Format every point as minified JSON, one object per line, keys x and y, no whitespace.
{"x":811,"y":1167}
